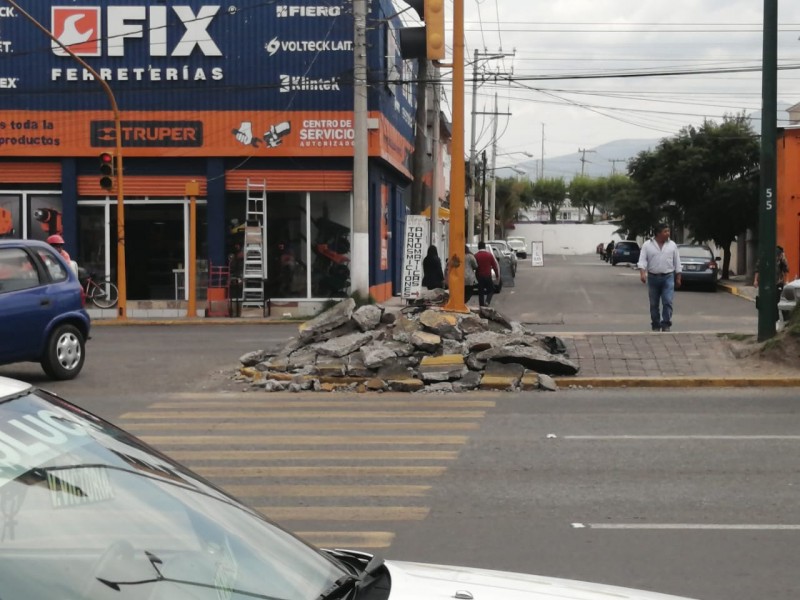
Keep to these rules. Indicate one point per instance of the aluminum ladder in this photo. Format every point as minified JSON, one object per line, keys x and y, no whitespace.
{"x":255,"y":242}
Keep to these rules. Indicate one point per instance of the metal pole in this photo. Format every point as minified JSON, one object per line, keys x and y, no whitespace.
{"x":492,"y":193}
{"x":455,"y":273}
{"x":192,"y":189}
{"x":470,"y":227}
{"x":767,"y":293}
{"x":359,"y":263}
{"x":435,"y":154}
{"x":121,"y":275}
{"x":483,"y":195}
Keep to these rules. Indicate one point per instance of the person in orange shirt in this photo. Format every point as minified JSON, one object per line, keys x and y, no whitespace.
{"x":57,"y":242}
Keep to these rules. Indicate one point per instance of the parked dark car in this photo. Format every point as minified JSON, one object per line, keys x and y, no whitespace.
{"x":700,"y":266}
{"x":626,"y":251}
{"x":42,"y":314}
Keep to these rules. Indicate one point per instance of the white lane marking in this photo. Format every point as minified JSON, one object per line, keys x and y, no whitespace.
{"x":689,"y":526}
{"x":679,"y":437}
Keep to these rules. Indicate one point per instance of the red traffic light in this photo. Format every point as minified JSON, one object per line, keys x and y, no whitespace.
{"x":106,"y":170}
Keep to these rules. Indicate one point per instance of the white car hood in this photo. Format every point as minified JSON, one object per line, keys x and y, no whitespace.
{"x":433,"y":582}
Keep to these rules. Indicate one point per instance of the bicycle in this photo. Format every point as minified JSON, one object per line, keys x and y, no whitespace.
{"x":102,"y":293}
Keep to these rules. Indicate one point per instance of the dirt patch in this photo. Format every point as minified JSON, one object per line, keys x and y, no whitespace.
{"x":779,"y":355}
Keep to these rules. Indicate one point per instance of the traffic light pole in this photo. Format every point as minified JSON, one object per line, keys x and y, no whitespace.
{"x":767,"y":289}
{"x":455,"y":273}
{"x":121,"y":276}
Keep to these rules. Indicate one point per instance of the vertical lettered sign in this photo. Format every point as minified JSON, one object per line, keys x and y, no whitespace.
{"x":416,"y":240}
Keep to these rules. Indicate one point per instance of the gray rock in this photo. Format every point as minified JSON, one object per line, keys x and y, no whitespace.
{"x":331,"y":366}
{"x":375,"y":355}
{"x":473,"y":363}
{"x":400,"y":348}
{"x":478,"y":342}
{"x":443,"y":387}
{"x":301,"y":358}
{"x":453,"y":347}
{"x":472,"y":323}
{"x":494,"y":367}
{"x":276,"y":363}
{"x":388,"y":317}
{"x":546,"y":383}
{"x":470,"y":381}
{"x":368,"y":317}
{"x":427,"y":342}
{"x":330,"y":319}
{"x":399,"y":368}
{"x":404,"y":328}
{"x":273,"y":385}
{"x":532,"y":358}
{"x":405,"y":385}
{"x":444,"y":324}
{"x":324,"y":336}
{"x":251,"y":359}
{"x":487,"y":312}
{"x":344,"y":345}
{"x":442,"y":368}
{"x":356,"y":366}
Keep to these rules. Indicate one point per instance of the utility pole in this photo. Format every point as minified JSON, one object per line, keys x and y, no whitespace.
{"x":614,"y":162}
{"x":583,"y":152}
{"x":483,"y":195}
{"x":492,"y":193}
{"x":418,"y":167}
{"x":470,"y":232}
{"x":359,"y":263}
{"x":435,"y":158}
{"x":542,"y":175}
{"x":767,"y":292}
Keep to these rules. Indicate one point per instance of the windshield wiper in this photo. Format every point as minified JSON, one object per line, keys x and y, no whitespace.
{"x":346,"y":583}
{"x":155,"y":561}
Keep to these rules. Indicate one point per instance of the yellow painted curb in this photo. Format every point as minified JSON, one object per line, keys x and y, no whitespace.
{"x":678,"y":382}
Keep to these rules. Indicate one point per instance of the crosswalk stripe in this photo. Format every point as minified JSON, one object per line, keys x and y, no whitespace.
{"x":348,"y":539}
{"x":271,"y":415}
{"x":316,"y":455}
{"x":249,"y":425}
{"x":282,"y":514}
{"x":326,"y":471}
{"x":325,"y":491}
{"x":370,"y":402}
{"x":296,"y":440}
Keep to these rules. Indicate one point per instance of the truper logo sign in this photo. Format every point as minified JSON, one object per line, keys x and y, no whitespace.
{"x":80,"y":28}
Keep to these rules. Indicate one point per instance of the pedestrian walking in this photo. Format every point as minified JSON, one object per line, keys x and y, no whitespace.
{"x":470,"y":274}
{"x":432,"y":275}
{"x":486,"y":264}
{"x":660,"y":268}
{"x":609,"y":251}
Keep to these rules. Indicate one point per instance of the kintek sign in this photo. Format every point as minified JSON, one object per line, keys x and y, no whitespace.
{"x":80,"y":29}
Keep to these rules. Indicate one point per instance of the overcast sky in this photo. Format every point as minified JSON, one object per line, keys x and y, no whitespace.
{"x":569,"y":38}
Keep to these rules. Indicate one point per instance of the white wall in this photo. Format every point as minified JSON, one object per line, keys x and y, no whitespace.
{"x":566,"y":238}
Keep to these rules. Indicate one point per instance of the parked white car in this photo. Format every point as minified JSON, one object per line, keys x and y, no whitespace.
{"x":519,"y":245}
{"x":506,"y":250}
{"x":788,"y":301}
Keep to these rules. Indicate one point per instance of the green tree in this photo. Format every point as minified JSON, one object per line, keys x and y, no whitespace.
{"x":511,"y":196}
{"x":551,"y":193}
{"x":589,"y":193}
{"x":705,"y":178}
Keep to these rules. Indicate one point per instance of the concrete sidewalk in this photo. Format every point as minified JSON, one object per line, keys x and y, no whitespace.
{"x":644,"y":359}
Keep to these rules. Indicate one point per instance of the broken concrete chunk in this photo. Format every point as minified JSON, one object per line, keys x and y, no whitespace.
{"x":344,"y":345}
{"x":427,"y":342}
{"x":532,"y":358}
{"x":332,"y":318}
{"x":368,"y":317}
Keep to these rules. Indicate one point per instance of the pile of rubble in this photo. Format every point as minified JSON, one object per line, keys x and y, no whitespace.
{"x":416,"y":348}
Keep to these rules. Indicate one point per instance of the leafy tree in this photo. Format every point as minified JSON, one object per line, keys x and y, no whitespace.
{"x":589,"y":193}
{"x":511,"y":196}
{"x":551,"y":193}
{"x":704,"y":178}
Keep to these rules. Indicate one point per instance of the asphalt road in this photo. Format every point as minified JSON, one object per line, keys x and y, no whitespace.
{"x":584,"y":294}
{"x":691,"y":492}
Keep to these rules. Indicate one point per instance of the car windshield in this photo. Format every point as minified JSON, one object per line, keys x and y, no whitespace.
{"x":90,"y":512}
{"x":694,"y":252}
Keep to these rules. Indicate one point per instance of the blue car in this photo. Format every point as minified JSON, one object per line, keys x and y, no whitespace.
{"x":42,"y":314}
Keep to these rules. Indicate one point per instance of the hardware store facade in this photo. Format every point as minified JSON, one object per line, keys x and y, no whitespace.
{"x":218,"y":94}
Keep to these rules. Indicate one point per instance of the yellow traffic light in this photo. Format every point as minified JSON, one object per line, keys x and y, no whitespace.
{"x":434,"y":29}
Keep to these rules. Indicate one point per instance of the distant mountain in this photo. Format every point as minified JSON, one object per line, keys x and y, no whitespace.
{"x":599,"y":159}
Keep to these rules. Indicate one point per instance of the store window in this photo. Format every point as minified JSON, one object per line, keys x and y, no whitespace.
{"x":287,"y":268}
{"x":10,"y":216}
{"x":330,"y":244}
{"x":44,"y":216}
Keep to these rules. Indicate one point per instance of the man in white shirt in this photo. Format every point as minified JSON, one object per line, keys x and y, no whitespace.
{"x":660,"y":268}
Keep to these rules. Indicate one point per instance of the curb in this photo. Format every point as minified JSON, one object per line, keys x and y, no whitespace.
{"x":190,"y":321}
{"x":677,"y":382}
{"x":733,"y":290}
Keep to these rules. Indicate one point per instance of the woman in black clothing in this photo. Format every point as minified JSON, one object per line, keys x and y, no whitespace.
{"x":432,"y":276}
